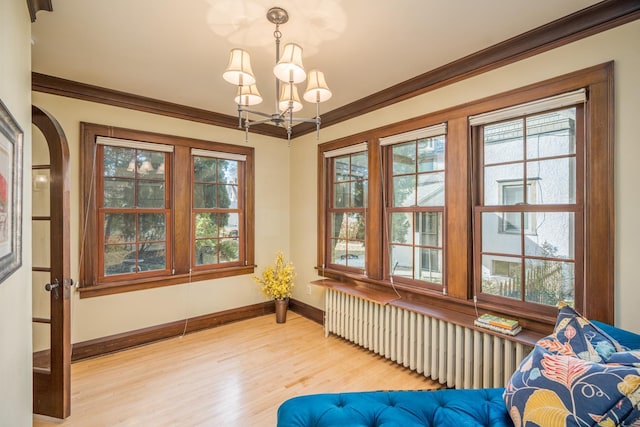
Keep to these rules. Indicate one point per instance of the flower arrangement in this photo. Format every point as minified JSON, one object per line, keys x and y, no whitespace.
{"x":277,"y":281}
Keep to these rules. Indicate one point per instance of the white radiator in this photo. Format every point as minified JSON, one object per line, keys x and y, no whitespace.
{"x":451,"y":354}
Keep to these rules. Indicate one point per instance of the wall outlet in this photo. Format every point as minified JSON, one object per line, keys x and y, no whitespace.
{"x":308,"y":289}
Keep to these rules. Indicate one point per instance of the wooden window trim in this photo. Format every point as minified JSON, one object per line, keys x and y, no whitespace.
{"x":181,"y":224}
{"x":598,"y":264}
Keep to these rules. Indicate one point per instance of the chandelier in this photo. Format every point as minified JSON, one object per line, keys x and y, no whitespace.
{"x":288,"y":72}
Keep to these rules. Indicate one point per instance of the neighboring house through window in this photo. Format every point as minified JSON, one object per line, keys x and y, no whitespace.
{"x":506,"y":206}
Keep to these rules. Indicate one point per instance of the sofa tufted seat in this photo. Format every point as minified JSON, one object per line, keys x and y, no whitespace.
{"x":442,"y":408}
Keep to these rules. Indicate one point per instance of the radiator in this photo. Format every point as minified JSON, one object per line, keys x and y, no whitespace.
{"x":451,"y":354}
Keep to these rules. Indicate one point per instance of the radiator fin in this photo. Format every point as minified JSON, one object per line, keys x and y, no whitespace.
{"x":454,"y":355}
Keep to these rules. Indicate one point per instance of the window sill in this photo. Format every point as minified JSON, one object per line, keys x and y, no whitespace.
{"x":91,"y":291}
{"x":440,"y":307}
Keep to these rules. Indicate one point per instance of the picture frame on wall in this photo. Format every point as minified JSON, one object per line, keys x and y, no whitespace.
{"x":11,"y":140}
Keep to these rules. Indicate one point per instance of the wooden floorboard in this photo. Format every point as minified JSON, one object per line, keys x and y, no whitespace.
{"x":233,"y":375}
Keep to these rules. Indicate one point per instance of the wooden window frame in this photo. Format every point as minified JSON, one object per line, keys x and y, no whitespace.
{"x":331,"y":209}
{"x":181,"y":180}
{"x":389,"y":270}
{"x":597,"y":294}
{"x":534,"y":209}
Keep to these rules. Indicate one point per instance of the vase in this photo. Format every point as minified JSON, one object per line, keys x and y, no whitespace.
{"x":281,"y":310}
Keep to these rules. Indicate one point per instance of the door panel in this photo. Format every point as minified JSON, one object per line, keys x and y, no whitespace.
{"x":50,"y":255}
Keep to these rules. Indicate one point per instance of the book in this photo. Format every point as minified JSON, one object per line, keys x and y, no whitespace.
{"x":511,"y":332}
{"x":502,"y":322}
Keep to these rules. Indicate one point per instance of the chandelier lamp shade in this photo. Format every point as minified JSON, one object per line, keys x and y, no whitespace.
{"x":288,"y":72}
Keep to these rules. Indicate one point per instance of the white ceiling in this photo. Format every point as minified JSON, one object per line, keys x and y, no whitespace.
{"x":176,"y":50}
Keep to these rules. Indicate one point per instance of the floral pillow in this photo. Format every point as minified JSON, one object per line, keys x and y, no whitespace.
{"x":556,"y":390}
{"x":577,"y":376}
{"x":576,"y":335}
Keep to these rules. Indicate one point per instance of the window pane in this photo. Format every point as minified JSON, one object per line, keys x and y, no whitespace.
{"x":338,"y":251}
{"x":341,"y":167}
{"x":338,"y":225}
{"x":551,"y":134}
{"x":150,"y":165}
{"x":428,"y":265}
{"x":502,"y":276}
{"x":554,"y":236}
{"x":228,"y":197}
{"x":555,"y":180}
{"x":228,"y":171}
{"x":503,"y":142}
{"x":355,"y":223}
{"x":118,"y":193}
{"x":119,"y":162}
{"x":152,"y":227}
{"x":497,"y":177}
{"x":119,"y":228}
{"x":150,"y":194}
{"x":428,"y":229}
{"x":431,"y":154}
{"x":402,"y":261}
{"x":204,"y":196}
{"x":404,"y":191}
{"x":549,"y":282}
{"x":229,"y":250}
{"x":206,"y":251}
{"x":119,"y":259}
{"x":341,"y":195}
{"x":404,"y":158}
{"x":152,"y":256}
{"x":431,"y":189}
{"x":401,"y":227}
{"x":359,"y":166}
{"x":207,"y":225}
{"x":205,"y":169}
{"x":358,"y":194}
{"x":493,"y":240}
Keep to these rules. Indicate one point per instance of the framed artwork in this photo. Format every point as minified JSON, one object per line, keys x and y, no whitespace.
{"x":10,"y":193}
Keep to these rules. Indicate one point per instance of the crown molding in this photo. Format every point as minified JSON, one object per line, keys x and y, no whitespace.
{"x":584,"y":23}
{"x":37,"y":5}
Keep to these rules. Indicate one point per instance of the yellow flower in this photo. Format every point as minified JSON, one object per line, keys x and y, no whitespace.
{"x":277,"y":281}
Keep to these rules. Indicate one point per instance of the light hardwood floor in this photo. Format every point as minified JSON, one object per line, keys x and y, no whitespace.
{"x":233,"y":375}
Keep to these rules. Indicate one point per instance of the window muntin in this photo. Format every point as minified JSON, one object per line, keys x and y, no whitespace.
{"x":217,"y":211}
{"x":347,"y":212}
{"x":593,"y":247}
{"x":528,"y":215}
{"x":416,"y":211}
{"x":150,"y":188}
{"x":133,"y":214}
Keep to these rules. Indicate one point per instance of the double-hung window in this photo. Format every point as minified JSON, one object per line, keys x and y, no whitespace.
{"x":346,"y":213}
{"x":217,"y":214}
{"x":134,"y":214}
{"x":415,"y":205}
{"x":507,"y":208}
{"x":528,"y":217}
{"x":162,"y":210}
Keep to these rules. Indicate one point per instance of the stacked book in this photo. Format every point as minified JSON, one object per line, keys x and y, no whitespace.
{"x":498,"y":324}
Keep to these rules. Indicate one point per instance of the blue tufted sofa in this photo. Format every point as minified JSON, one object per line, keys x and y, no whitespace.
{"x":442,"y":408}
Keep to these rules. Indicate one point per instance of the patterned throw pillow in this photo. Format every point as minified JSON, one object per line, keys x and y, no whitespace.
{"x":576,"y":334}
{"x":577,"y":376}
{"x":557,"y":390}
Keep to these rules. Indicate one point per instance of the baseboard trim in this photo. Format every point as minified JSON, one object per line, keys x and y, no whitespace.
{"x":306,"y":310}
{"x":126,"y":340}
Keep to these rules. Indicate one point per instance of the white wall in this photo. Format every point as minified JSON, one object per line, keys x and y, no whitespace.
{"x":286,"y":185}
{"x":619,"y":44}
{"x":107,"y":315}
{"x":15,"y":292}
